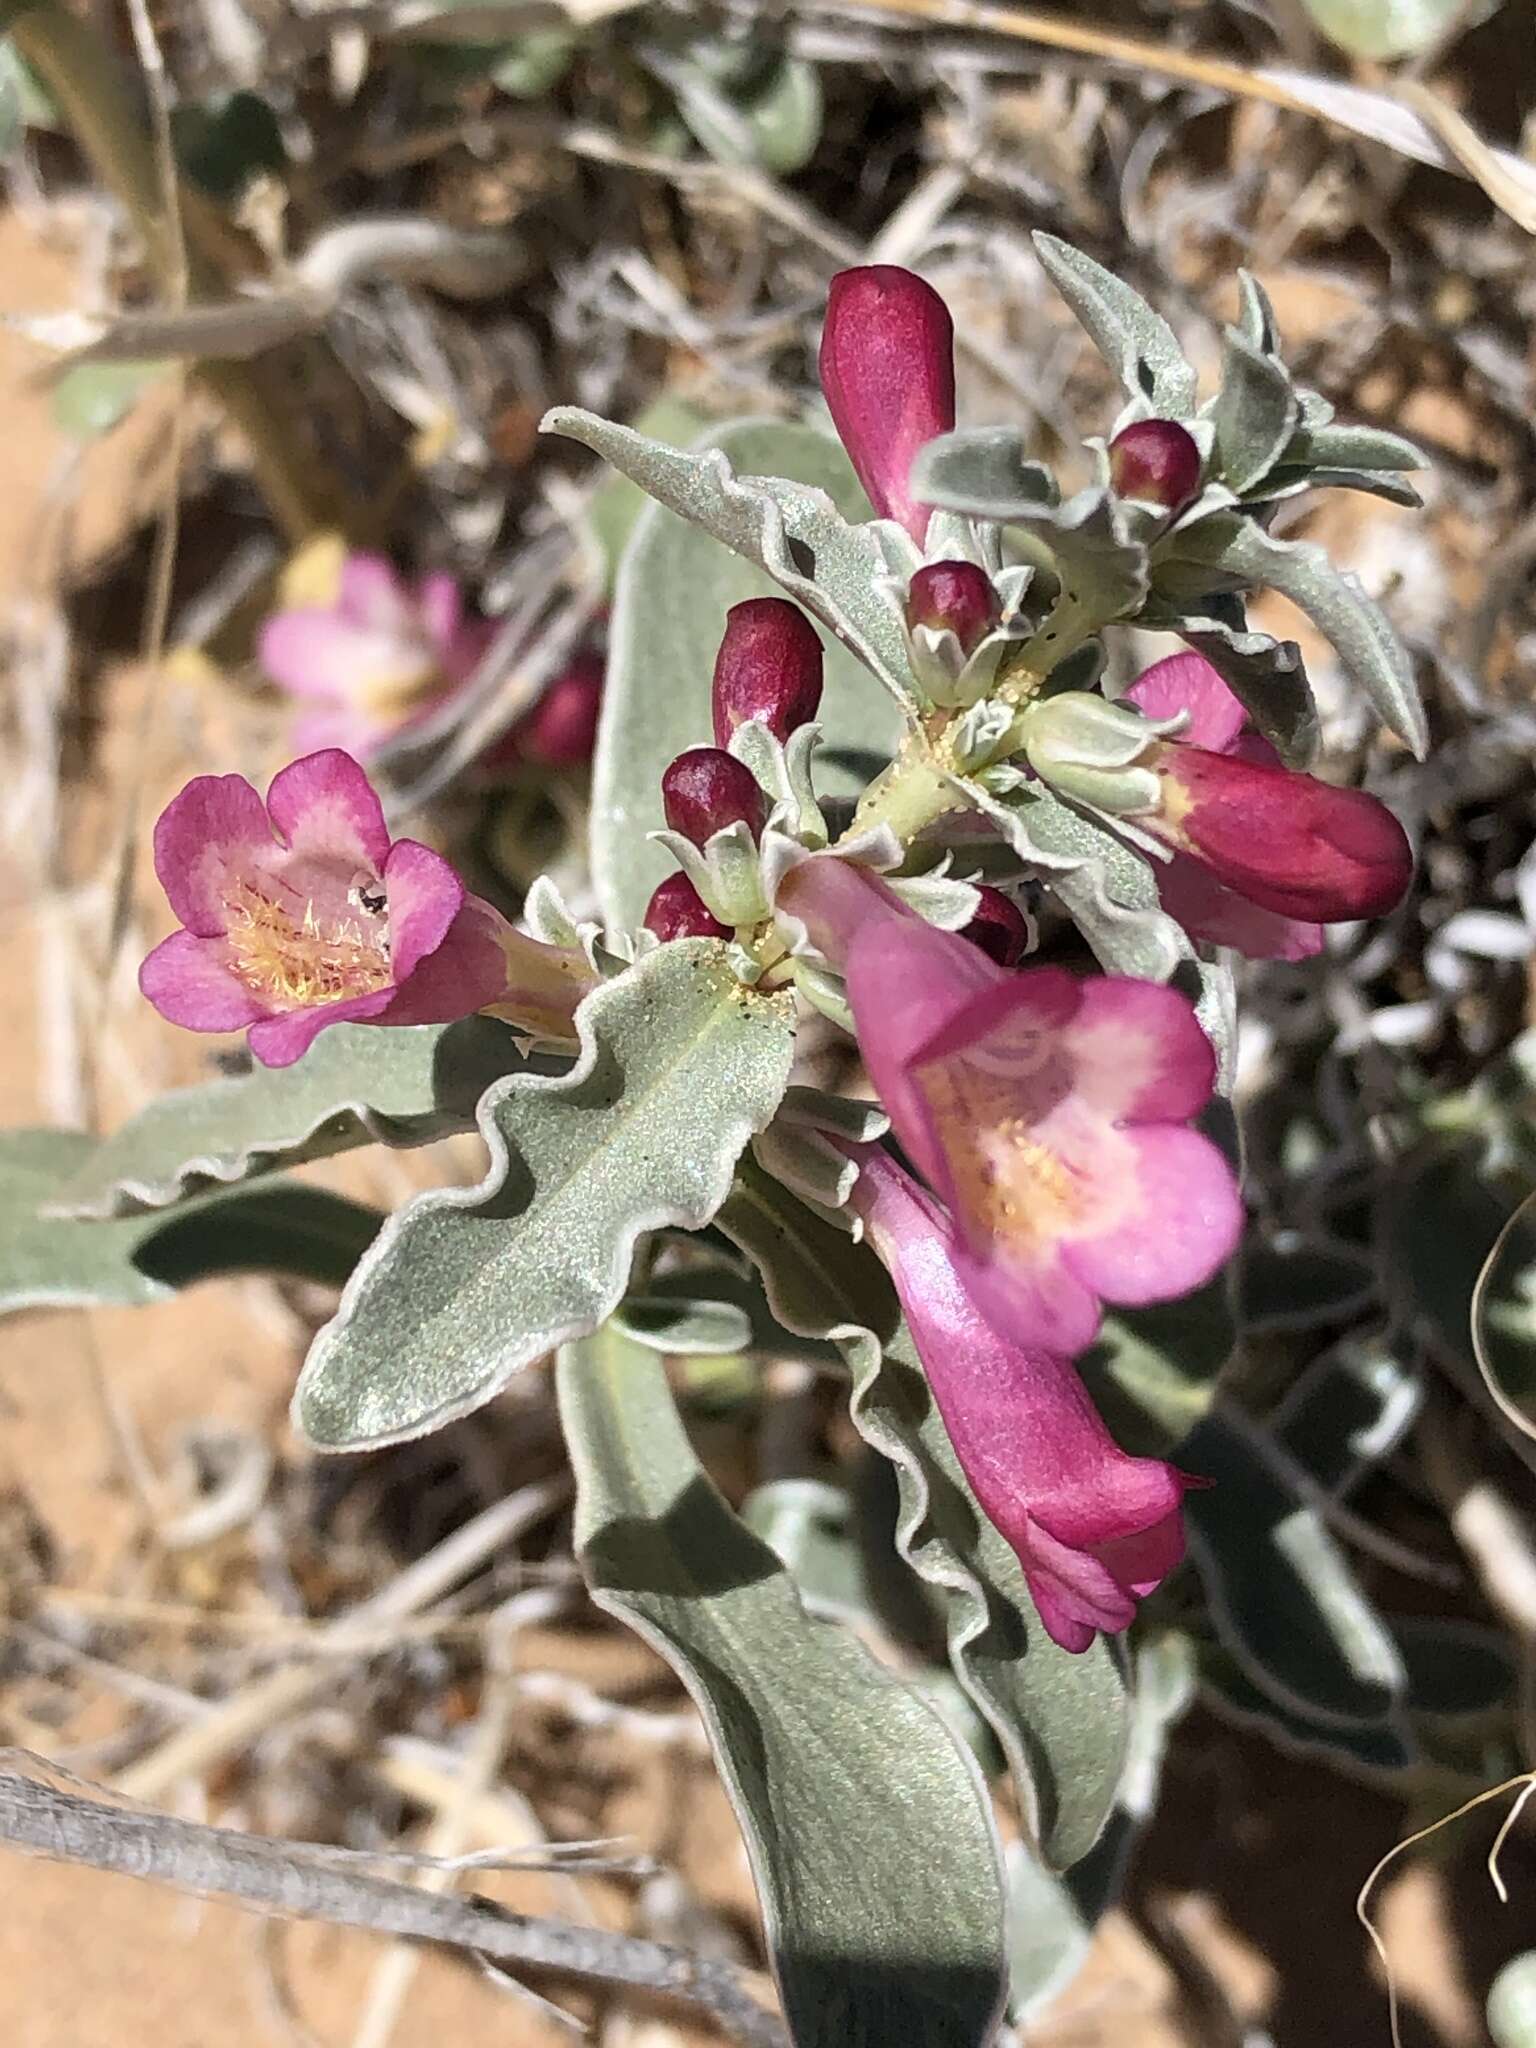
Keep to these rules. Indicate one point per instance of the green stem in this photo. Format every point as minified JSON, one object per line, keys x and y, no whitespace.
{"x":911,"y":795}
{"x":104,"y":113}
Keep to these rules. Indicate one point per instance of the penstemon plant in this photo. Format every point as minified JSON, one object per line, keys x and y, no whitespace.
{"x":902,"y":833}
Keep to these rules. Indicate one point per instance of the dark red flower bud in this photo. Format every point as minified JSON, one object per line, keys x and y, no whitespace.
{"x":888,"y":373}
{"x":999,"y":927}
{"x":768,"y":667}
{"x":1285,"y":841}
{"x":707,"y":789}
{"x":1156,"y":461}
{"x":561,"y":729}
{"x":957,"y":595}
{"x":678,"y":911}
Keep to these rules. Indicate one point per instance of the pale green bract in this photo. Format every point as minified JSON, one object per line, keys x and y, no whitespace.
{"x":867,"y":1825}
{"x":679,"y":1066}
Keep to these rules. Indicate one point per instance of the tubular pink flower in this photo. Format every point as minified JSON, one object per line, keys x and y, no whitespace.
{"x":769,"y":667}
{"x":1094,"y":1528}
{"x":379,"y":656}
{"x":1050,"y":1114}
{"x":888,"y":373}
{"x":1262,"y":855}
{"x":300,"y":912}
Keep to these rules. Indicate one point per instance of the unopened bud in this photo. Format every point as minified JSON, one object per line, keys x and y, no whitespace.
{"x":706,"y":789}
{"x":888,"y":374}
{"x":768,"y":667}
{"x":561,"y":729}
{"x":999,"y":927}
{"x":1156,"y":461}
{"x":678,"y":911}
{"x":956,"y":595}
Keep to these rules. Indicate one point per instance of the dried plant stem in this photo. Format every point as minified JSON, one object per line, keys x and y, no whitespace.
{"x":67,"y":1828}
{"x":104,"y":114}
{"x":240,"y":1720}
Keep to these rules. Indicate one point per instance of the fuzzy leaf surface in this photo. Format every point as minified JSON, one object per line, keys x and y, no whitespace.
{"x":866,"y":1825}
{"x":48,"y":1261}
{"x":465,"y":1286}
{"x":355,"y":1086}
{"x":675,"y":586}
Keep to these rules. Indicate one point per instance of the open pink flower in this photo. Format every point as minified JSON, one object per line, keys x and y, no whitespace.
{"x":379,"y":656}
{"x":1262,"y":856}
{"x":888,"y":375}
{"x":299,"y":912}
{"x":1094,"y":1528}
{"x":1050,"y":1114}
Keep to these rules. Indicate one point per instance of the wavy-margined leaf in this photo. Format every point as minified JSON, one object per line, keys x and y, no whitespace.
{"x":1384,"y":1745}
{"x":1254,"y":415}
{"x":984,"y":473}
{"x":1336,"y":602}
{"x":675,"y":586}
{"x":679,"y":1066}
{"x":683,"y":1324}
{"x":1138,"y":344}
{"x":1061,"y":1720}
{"x":355,"y":1086}
{"x":867,"y":1827}
{"x":1267,"y":676}
{"x":48,"y":1261}
{"x":1153,"y":1371}
{"x":1348,"y":1412}
{"x":1286,"y":1602}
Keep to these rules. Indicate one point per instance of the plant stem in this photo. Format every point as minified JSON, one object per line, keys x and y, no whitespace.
{"x":102,"y":110}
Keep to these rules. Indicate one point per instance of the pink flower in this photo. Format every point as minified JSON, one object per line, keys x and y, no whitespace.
{"x":1050,"y":1114}
{"x":1262,"y":855}
{"x":560,"y":729}
{"x":299,"y":912}
{"x":379,"y":656}
{"x":888,"y":374}
{"x":1094,"y":1529}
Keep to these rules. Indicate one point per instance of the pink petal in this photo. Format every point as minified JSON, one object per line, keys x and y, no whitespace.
{"x":440,"y":608}
{"x":188,"y":980}
{"x":327,"y":810}
{"x":372,"y":595}
{"x":1180,"y":1220}
{"x":354,"y":732}
{"x":211,"y":836}
{"x":1073,"y":1590}
{"x":1043,"y":1303}
{"x":279,"y":1041}
{"x":1188,"y":682}
{"x":1209,"y":910}
{"x":1143,"y":1559}
{"x":314,"y":652}
{"x":466,"y":972}
{"x":425,"y":896}
{"x":1138,"y":1052}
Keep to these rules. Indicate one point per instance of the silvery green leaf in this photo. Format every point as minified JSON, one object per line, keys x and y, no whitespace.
{"x":1267,"y":676}
{"x":1512,"y":2003}
{"x":1092,"y":551}
{"x":1385,"y":29}
{"x":1051,"y":1918}
{"x":1138,"y":344}
{"x":984,"y":473}
{"x":679,"y":1066}
{"x":618,"y":502}
{"x":1286,"y":1602}
{"x":1255,"y":413}
{"x":1335,"y":602}
{"x":1256,"y":315}
{"x":1061,"y":1720}
{"x":806,"y":1163}
{"x":784,"y":770}
{"x":814,"y":1277}
{"x":683,"y":1325}
{"x":674,"y":591}
{"x":724,"y":870}
{"x":814,"y":1109}
{"x":868,"y":1832}
{"x":793,"y":530}
{"x":1347,"y":1412}
{"x":1297,"y":1282}
{"x":808,"y":1525}
{"x":1287,"y":481}
{"x":1381,"y":1746}
{"x":355,"y":1086}
{"x":1337,"y":446}
{"x":47,"y":1261}
{"x":1153,"y":1371}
